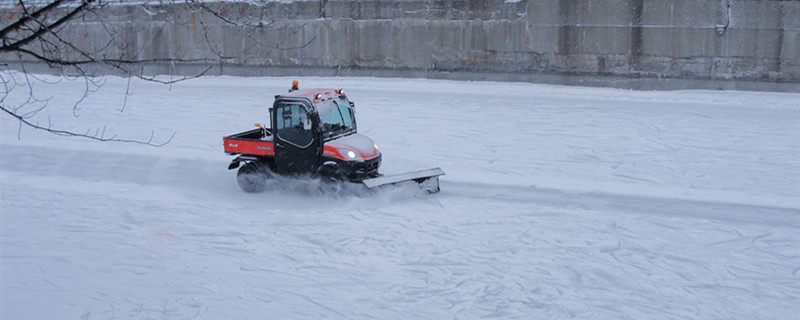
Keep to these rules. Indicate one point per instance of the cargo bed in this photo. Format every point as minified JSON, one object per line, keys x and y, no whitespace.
{"x":254,"y":142}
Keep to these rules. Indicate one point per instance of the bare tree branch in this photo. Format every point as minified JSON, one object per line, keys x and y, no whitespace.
{"x":99,"y":136}
{"x":154,"y":79}
{"x":29,"y":17}
{"x":43,"y":28}
{"x":45,"y":32}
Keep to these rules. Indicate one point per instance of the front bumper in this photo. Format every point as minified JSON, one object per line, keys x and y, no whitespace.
{"x":355,"y":171}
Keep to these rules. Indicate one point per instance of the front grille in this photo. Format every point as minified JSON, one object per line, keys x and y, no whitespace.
{"x":366,"y":169}
{"x":370,"y":166}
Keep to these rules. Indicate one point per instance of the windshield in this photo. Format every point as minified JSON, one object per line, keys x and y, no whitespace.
{"x":336,"y":117}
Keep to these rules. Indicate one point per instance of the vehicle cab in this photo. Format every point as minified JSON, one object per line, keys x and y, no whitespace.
{"x":315,"y":132}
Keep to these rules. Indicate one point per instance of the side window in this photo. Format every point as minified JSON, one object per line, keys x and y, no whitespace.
{"x":293,"y":125}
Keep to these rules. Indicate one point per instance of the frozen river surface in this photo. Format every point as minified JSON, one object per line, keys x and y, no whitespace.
{"x":559,"y":202}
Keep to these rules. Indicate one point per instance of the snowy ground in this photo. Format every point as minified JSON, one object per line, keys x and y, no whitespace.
{"x":559,"y":202}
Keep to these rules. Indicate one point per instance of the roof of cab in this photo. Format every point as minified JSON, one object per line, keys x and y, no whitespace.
{"x":311,"y":94}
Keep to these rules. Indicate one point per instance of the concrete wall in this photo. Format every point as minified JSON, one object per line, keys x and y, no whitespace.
{"x":730,"y":44}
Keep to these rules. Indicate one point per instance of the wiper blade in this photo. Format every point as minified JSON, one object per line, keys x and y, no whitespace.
{"x":337,"y":135}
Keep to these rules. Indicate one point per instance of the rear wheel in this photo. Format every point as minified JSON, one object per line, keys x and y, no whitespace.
{"x":252,"y":177}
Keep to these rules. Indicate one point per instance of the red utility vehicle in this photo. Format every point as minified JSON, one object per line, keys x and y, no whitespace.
{"x":313,"y":133}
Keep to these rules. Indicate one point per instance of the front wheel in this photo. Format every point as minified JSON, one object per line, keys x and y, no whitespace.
{"x":252,"y":177}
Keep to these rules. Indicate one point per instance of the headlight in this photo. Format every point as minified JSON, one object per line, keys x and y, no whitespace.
{"x":350,"y":154}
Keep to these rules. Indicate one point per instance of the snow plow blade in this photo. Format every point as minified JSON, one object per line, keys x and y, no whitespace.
{"x":427,"y":179}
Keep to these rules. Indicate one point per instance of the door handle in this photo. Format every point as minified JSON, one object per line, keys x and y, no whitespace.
{"x":278,"y":145}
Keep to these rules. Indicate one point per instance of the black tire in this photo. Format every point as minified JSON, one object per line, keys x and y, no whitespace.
{"x":252,"y":177}
{"x":332,"y":172}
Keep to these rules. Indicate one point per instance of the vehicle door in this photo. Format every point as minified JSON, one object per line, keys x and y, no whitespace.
{"x":298,"y":145}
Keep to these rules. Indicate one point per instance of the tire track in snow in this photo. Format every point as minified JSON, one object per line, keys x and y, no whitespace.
{"x":119,"y":167}
{"x":475,"y":250}
{"x":638,"y":204}
{"x":192,"y":173}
